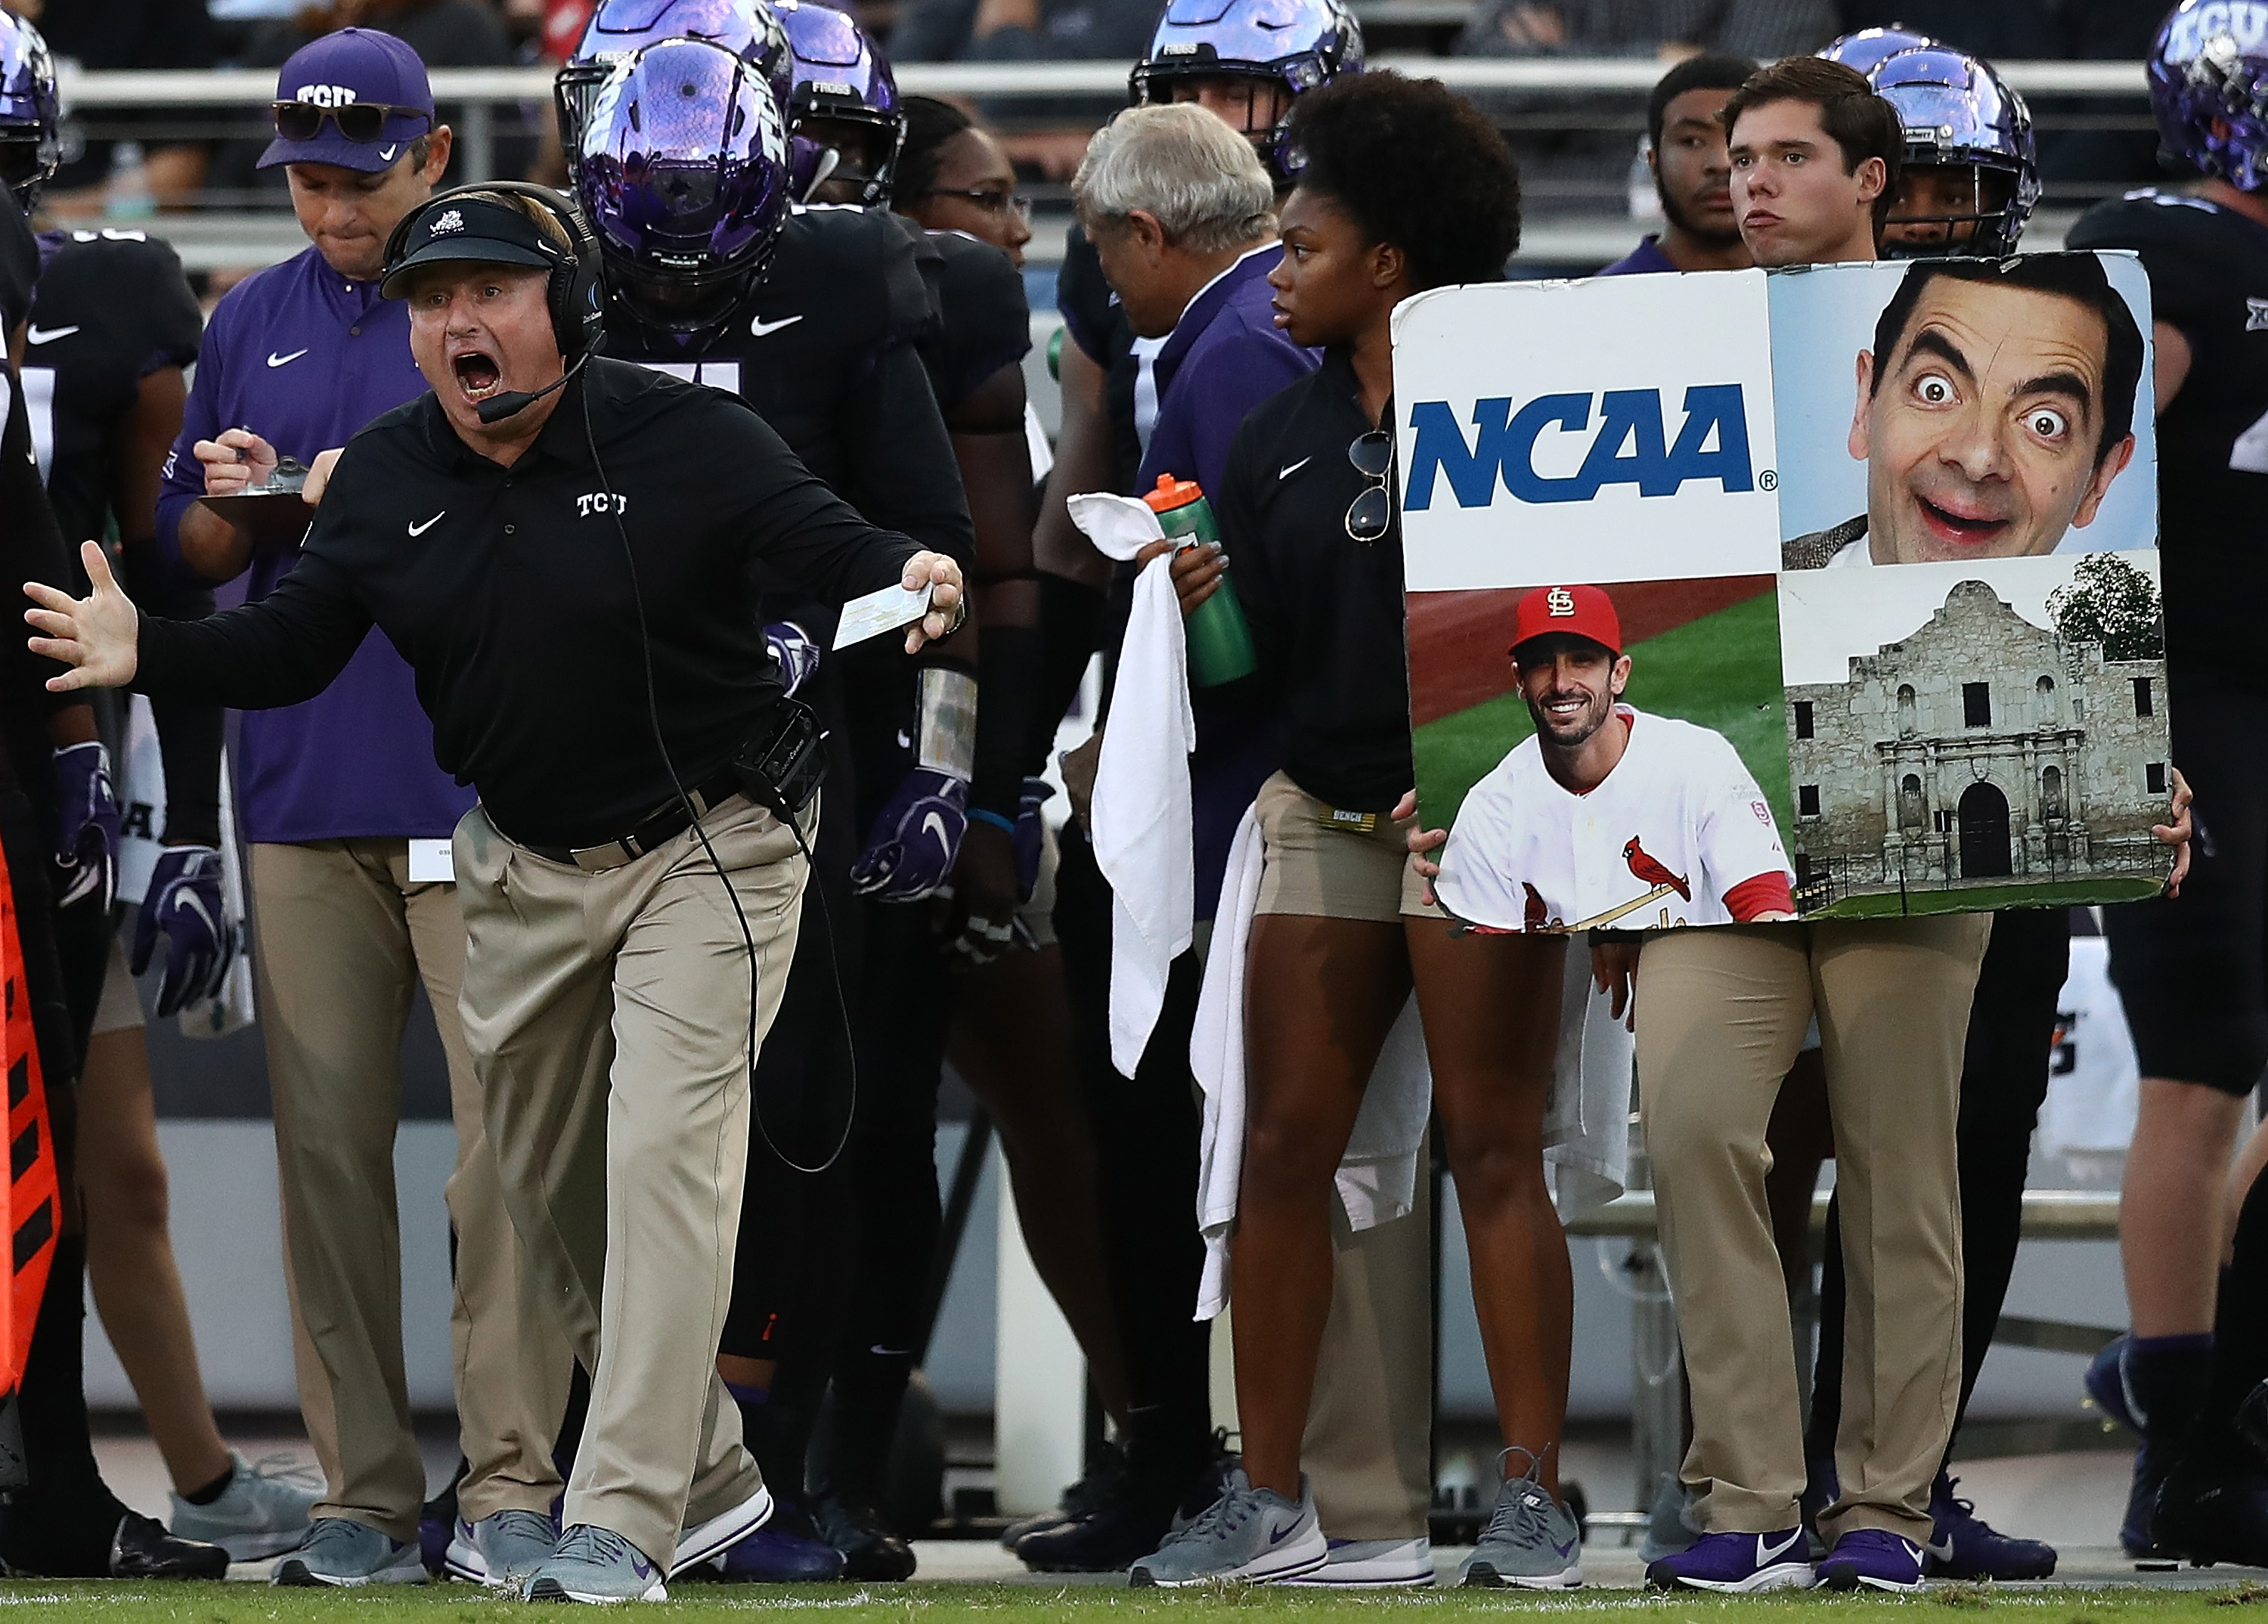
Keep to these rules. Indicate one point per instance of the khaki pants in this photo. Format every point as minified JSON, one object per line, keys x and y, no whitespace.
{"x":1368,"y":1450}
{"x":607,"y":1016}
{"x":1721,"y":1013}
{"x":342,"y":937}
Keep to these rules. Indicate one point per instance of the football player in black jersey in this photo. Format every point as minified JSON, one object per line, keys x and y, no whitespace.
{"x":813,"y":314}
{"x":2190,"y":968}
{"x":61,"y":1519}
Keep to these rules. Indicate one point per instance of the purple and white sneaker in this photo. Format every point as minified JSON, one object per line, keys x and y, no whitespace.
{"x":1873,"y":1557}
{"x":1742,"y":1564}
{"x":1963,"y":1546}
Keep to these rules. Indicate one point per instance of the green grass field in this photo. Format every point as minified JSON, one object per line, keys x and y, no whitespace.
{"x":459,"y":1604}
{"x":1721,"y":671}
{"x":1975,"y":898}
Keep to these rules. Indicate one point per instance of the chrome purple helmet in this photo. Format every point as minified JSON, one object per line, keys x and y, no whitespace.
{"x":1959,"y":114}
{"x":31,"y":112}
{"x":1297,"y":44}
{"x":841,"y":77}
{"x":746,"y":28}
{"x":2209,"y":87}
{"x":1866,"y":49}
{"x":683,"y":175}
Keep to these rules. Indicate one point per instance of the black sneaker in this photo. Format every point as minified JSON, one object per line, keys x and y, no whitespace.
{"x":1106,"y":1540}
{"x":142,"y":1549}
{"x":1091,"y":1492}
{"x":2252,"y":1421}
{"x":871,"y":1549}
{"x":2213,"y":1513}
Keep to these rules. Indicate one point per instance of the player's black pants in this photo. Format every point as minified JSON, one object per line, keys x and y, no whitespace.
{"x":2003,"y":1078}
{"x":1147,"y":1142}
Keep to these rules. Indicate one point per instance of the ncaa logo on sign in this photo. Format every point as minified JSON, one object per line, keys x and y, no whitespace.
{"x":325,"y":95}
{"x":1559,"y":600}
{"x":1630,"y":447}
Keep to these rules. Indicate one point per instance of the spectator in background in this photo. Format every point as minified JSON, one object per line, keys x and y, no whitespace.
{"x":1763,"y":28}
{"x":106,"y":35}
{"x":1692,"y":173}
{"x":1022,"y":30}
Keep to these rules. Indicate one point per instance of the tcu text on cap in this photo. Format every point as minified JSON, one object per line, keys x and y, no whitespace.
{"x":325,"y":95}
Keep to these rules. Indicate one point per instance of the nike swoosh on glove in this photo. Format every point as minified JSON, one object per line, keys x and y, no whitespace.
{"x":86,"y":813}
{"x":910,"y":850}
{"x":1029,"y":837}
{"x":797,"y":654}
{"x":184,"y":901}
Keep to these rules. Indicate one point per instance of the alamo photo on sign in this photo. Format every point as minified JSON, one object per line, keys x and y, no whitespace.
{"x":2011,"y":744}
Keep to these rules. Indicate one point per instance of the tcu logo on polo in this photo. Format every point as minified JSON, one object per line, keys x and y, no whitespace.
{"x":1560,"y":602}
{"x":602,"y":502}
{"x":325,"y":95}
{"x":1629,"y":447}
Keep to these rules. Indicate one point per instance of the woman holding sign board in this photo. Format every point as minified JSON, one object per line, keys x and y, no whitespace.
{"x":1307,"y":510}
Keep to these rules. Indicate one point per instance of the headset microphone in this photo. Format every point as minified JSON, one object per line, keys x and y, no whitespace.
{"x":496,"y":407}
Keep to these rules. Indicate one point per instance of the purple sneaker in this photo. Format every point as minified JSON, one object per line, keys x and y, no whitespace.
{"x":1742,"y":1563}
{"x":1874,"y":1558}
{"x":1963,"y":1546}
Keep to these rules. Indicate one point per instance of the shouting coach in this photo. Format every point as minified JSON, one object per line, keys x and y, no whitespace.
{"x":582,"y":620}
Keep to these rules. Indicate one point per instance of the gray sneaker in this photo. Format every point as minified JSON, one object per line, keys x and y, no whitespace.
{"x":1670,"y":1525}
{"x":340,"y":1552}
{"x":1531,"y":1542}
{"x":262,"y":1512}
{"x":1247,"y":1534}
{"x":503,"y":1550}
{"x":596,"y":1564}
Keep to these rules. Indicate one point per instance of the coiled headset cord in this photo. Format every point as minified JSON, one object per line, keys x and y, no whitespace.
{"x":783,"y":811}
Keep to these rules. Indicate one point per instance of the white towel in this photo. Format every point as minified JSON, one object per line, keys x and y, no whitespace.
{"x":1586,"y":1131}
{"x":1141,"y":815}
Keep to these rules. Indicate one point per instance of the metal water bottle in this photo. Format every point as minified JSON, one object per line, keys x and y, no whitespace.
{"x":1221,"y":642}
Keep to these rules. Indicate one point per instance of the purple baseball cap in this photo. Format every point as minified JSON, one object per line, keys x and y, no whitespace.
{"x":353,"y":68}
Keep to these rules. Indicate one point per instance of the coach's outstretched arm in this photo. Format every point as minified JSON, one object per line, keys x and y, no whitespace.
{"x":95,"y":636}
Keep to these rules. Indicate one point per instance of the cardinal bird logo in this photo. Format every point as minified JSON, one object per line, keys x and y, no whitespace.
{"x":1652,"y":872}
{"x":1538,"y":915}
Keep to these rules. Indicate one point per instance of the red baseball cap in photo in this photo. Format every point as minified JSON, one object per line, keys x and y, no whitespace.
{"x":1578,"y":611}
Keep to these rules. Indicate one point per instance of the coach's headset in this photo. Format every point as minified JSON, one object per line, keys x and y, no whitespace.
{"x":780,"y":763}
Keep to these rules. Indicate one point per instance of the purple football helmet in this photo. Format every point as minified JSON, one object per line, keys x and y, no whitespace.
{"x":31,"y":112}
{"x":840,"y":79}
{"x":617,"y":28}
{"x":2209,"y":87}
{"x":1869,"y":48}
{"x":1297,"y":44}
{"x":1959,"y":115}
{"x":683,"y":175}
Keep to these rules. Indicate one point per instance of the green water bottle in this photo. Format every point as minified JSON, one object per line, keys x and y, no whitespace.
{"x":1220,"y":643}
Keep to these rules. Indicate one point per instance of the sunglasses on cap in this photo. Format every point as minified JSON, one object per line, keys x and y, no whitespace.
{"x":360,"y":122}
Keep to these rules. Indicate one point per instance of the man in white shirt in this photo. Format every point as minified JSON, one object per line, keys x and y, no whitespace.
{"x":1607,"y":817}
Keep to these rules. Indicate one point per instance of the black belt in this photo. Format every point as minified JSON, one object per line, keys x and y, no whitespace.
{"x":657,"y":830}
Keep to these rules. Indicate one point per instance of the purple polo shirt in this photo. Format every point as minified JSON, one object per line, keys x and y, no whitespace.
{"x":303,"y":359}
{"x":1645,"y":257}
{"x":1224,"y":356}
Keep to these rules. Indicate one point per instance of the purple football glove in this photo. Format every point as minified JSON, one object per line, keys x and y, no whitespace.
{"x":797,"y":653}
{"x":910,"y":850}
{"x":87,"y":813}
{"x":1028,"y":836}
{"x":184,"y":901}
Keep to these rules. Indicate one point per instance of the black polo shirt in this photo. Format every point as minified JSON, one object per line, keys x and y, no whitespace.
{"x":508,"y":592}
{"x":1325,"y":609}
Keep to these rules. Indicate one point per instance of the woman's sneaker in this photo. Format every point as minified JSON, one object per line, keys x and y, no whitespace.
{"x":1739,"y":1563}
{"x":1531,"y":1542}
{"x":1874,"y":1558}
{"x":263,"y":1512}
{"x":339,"y":1550}
{"x":1247,"y":1534}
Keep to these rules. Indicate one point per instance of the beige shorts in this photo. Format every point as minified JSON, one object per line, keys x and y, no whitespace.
{"x":1330,"y":865}
{"x":120,"y":1008}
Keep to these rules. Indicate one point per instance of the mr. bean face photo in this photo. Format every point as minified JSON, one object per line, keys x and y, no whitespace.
{"x":1982,"y":429}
